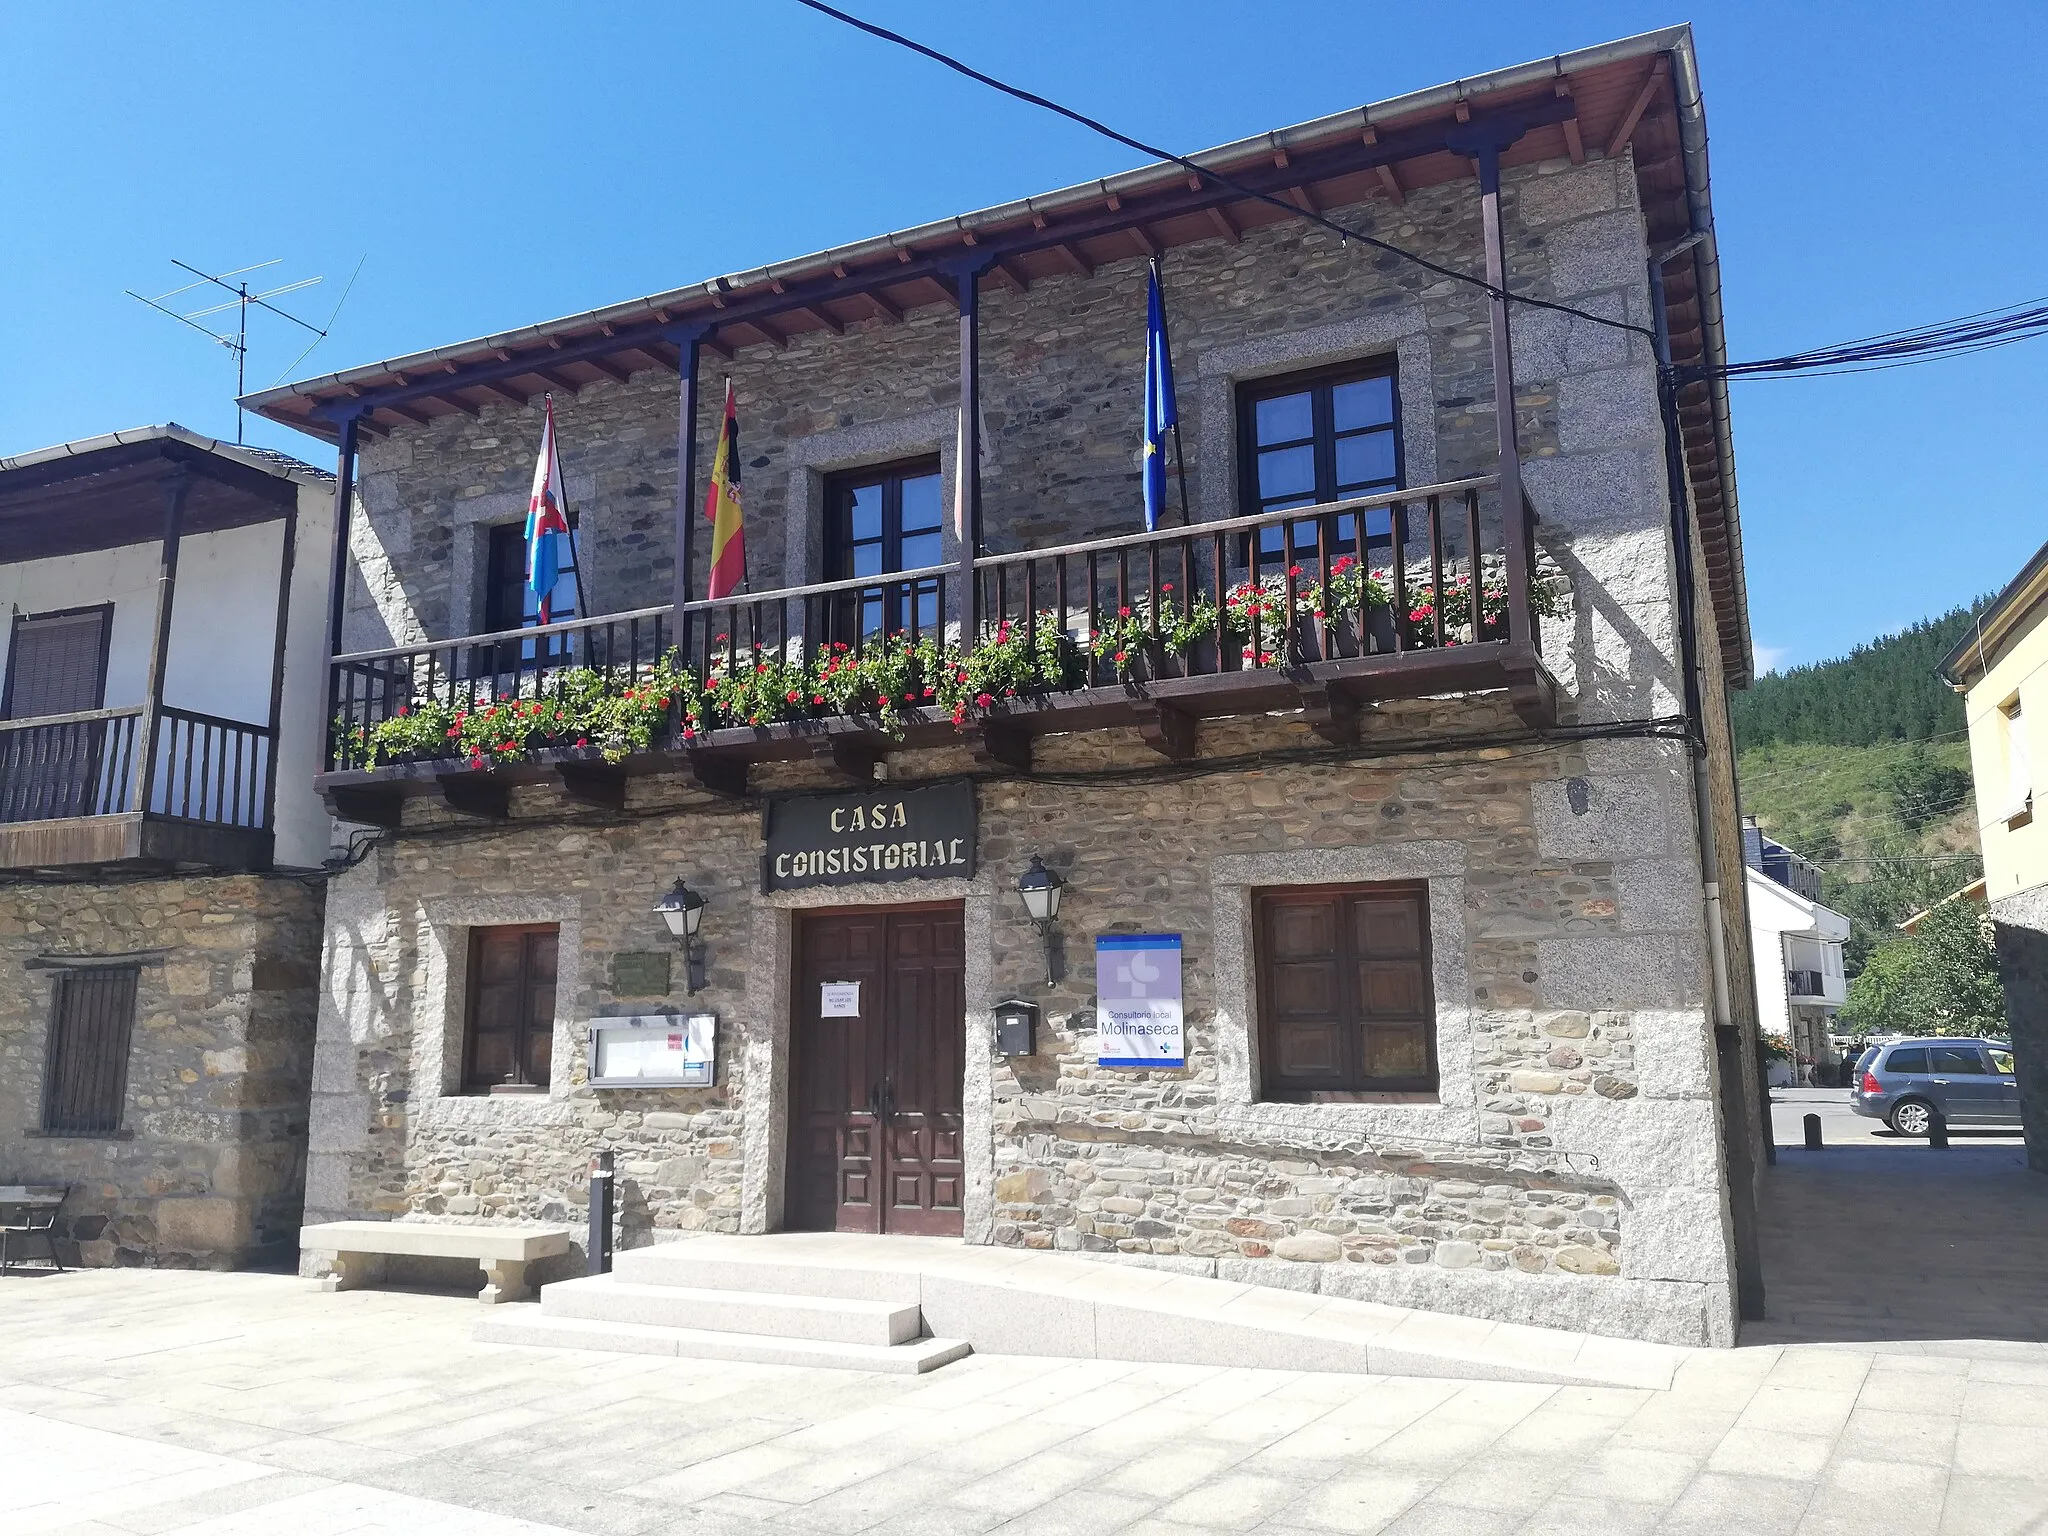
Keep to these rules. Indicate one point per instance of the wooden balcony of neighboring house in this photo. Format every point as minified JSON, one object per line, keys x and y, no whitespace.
{"x":93,"y":533}
{"x":1320,"y":611}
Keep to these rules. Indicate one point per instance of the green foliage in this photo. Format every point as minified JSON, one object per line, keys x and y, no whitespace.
{"x":1883,"y":893}
{"x":1923,"y":788}
{"x":1884,"y":691}
{"x":1940,"y":980}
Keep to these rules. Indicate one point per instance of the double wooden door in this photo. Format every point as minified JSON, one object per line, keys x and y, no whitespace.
{"x":875,"y":1097}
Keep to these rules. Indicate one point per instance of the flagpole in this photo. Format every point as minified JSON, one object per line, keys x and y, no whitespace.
{"x":1179,"y":453}
{"x":583,"y":604}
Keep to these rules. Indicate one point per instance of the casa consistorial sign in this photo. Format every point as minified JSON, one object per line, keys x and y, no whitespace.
{"x":888,"y":835}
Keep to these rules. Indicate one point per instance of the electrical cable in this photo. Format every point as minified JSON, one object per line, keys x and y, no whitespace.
{"x":1250,"y":194}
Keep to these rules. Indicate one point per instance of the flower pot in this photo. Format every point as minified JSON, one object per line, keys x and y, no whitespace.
{"x":1334,"y":638}
{"x":1379,"y":630}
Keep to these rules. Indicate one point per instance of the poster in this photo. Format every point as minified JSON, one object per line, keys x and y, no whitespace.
{"x":1138,"y":1014}
{"x":838,"y":999}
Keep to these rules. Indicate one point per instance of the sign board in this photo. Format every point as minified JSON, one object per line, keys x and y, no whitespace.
{"x":890,"y":835}
{"x":1138,"y":1013}
{"x":644,"y":974}
{"x":654,"y":1050}
{"x":838,"y":999}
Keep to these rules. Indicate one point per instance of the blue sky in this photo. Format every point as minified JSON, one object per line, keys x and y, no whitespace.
{"x":1875,"y":166}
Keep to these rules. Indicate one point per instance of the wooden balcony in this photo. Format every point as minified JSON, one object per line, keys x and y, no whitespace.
{"x":1320,"y":610}
{"x":73,"y":793}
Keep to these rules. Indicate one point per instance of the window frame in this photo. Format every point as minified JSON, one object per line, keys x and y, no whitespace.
{"x":106,"y":613}
{"x":2019,"y":769}
{"x":469,"y":1084}
{"x":1319,"y":382}
{"x":849,"y":611}
{"x":115,"y":1084}
{"x":1359,"y":1089}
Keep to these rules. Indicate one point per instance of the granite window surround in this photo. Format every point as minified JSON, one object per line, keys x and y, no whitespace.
{"x":1451,"y":1114}
{"x":473,"y":518}
{"x":444,"y":927}
{"x":816,"y":456}
{"x":1399,"y":329}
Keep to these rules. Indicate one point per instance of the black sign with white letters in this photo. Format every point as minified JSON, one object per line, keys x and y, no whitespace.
{"x":887,"y":835}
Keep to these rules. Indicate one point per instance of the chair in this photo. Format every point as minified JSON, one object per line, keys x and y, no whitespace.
{"x":30,"y":1211}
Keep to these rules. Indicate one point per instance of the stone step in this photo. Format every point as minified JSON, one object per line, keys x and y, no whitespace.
{"x":827,"y":1319}
{"x":704,"y":1266}
{"x":525,"y":1323}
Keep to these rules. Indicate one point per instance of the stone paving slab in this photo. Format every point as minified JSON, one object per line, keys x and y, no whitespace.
{"x":145,"y":1402}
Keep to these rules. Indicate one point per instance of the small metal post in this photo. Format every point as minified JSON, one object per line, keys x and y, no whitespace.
{"x":1813,"y":1141}
{"x":1937,"y":1129}
{"x":599,"y":1250}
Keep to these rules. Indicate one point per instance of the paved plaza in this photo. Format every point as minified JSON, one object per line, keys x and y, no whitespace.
{"x":229,"y":1405}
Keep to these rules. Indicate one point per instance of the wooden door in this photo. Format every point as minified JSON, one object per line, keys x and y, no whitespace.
{"x":875,"y":1100}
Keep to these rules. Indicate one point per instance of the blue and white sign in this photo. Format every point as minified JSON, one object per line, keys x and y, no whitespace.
{"x":1138,"y":1015}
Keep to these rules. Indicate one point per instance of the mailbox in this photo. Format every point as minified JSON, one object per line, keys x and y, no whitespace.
{"x":1016,"y":1028}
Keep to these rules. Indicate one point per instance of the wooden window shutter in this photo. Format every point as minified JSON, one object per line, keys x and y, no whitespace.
{"x":92,"y":1016}
{"x":56,"y":666}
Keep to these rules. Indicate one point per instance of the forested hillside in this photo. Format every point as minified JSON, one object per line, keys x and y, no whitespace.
{"x":1861,"y":764}
{"x":1884,"y":691}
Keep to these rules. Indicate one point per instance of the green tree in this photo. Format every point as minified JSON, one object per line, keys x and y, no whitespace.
{"x":1940,"y":980}
{"x":1923,"y":789}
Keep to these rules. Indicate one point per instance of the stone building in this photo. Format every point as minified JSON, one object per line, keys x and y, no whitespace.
{"x":160,"y":840}
{"x":1465,"y":1018}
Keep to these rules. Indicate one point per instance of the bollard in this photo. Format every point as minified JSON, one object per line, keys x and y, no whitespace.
{"x":1937,"y":1130}
{"x":1813,"y":1141}
{"x":599,"y":1251}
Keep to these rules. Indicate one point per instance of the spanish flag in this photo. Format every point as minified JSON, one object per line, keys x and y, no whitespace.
{"x":722,"y":508}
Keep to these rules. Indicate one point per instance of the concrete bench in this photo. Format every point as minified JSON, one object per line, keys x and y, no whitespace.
{"x":501,"y":1249}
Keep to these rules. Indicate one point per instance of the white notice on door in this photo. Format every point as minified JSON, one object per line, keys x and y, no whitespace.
{"x":839,"y":1000}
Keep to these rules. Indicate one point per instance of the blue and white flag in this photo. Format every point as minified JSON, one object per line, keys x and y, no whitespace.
{"x":1161,"y":414}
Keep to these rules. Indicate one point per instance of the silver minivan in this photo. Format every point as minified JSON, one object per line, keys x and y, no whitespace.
{"x":1967,"y":1081}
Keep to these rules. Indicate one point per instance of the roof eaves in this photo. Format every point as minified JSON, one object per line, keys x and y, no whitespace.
{"x":265,"y":459}
{"x":1998,"y":619}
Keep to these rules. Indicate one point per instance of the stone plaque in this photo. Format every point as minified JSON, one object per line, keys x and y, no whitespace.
{"x":642,"y":974}
{"x":899,"y":834}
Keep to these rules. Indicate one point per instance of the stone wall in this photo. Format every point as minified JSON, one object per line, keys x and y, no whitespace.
{"x":208,"y":1168}
{"x":1566,"y":1172}
{"x":2020,"y":923}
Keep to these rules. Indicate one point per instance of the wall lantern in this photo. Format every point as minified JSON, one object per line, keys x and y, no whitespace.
{"x":1041,"y":889}
{"x":683,"y":910}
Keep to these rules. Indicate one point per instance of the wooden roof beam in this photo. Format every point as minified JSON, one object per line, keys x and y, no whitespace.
{"x":1573,"y":143}
{"x":768,"y":332}
{"x":1018,"y":278}
{"x":609,"y":369}
{"x":505,"y":391}
{"x":1390,"y":183}
{"x":459,"y":403}
{"x":1077,"y":263}
{"x":1224,"y":224}
{"x":1145,"y":239}
{"x":822,"y":316}
{"x":1636,"y":108}
{"x":884,"y":310}
{"x":558,"y":379}
{"x":416,"y":417}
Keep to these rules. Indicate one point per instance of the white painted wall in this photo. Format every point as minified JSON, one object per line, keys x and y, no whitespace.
{"x":223,"y":628}
{"x":1781,"y":921}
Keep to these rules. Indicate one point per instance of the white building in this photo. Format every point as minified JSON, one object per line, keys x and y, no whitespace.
{"x":1796,"y":943}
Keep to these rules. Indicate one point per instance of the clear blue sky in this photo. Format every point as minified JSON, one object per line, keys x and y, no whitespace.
{"x":1875,"y":166}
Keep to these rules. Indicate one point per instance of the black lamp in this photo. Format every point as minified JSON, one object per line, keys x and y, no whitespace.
{"x":1040,"y":889}
{"x":683,"y":910}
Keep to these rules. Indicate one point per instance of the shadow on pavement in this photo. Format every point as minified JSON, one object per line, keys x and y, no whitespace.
{"x":1898,"y":1241}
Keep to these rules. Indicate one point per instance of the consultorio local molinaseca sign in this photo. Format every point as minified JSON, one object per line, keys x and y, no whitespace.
{"x":890,"y":835}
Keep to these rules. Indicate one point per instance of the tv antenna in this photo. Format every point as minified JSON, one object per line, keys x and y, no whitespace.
{"x":236,"y":341}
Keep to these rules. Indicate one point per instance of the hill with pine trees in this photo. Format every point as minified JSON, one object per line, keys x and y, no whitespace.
{"x":1862,"y":765}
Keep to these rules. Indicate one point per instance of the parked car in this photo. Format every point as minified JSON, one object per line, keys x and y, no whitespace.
{"x":1967,"y":1081}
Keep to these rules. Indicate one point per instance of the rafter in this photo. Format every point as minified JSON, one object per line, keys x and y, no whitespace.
{"x":609,"y":369}
{"x":822,"y":316}
{"x":506,"y":391}
{"x":883,"y":309}
{"x":1573,"y":143}
{"x":1070,"y":253}
{"x":1224,"y":224}
{"x":1146,"y":240}
{"x":1636,"y":108}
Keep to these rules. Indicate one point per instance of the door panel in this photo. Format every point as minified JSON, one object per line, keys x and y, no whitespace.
{"x":876,"y":1101}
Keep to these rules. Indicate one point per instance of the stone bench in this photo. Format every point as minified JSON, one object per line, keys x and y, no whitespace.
{"x":501,"y":1249}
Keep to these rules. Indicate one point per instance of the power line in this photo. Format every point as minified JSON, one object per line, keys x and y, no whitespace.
{"x":1252,"y":194}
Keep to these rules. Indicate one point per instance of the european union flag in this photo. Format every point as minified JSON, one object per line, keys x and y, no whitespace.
{"x":1161,"y":414}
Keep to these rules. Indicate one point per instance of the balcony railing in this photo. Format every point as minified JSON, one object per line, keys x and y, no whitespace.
{"x":207,"y":769}
{"x":1419,"y":591}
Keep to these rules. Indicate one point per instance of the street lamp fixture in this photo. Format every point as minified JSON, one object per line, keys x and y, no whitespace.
{"x":683,"y":910}
{"x":1040,"y":889}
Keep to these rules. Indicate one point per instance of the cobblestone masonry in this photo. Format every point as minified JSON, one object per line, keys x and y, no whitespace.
{"x":209,"y":1167}
{"x":1568,"y":1172}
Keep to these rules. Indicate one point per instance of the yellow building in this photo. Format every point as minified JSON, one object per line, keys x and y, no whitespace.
{"x":2001,"y":669}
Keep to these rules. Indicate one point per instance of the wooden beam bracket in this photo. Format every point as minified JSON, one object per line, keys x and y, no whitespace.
{"x":475,"y":794}
{"x":370,"y":806}
{"x":594,"y":784}
{"x":1168,"y":731}
{"x":853,"y":758}
{"x":996,"y":744}
{"x":725,"y":777}
{"x":1331,"y":712}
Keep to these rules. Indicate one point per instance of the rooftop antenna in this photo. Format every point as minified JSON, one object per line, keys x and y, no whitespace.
{"x":237,"y":341}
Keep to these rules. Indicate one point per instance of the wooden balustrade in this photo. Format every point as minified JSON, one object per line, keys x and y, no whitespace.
{"x":57,"y":766}
{"x":211,"y":769}
{"x":1361,"y":583}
